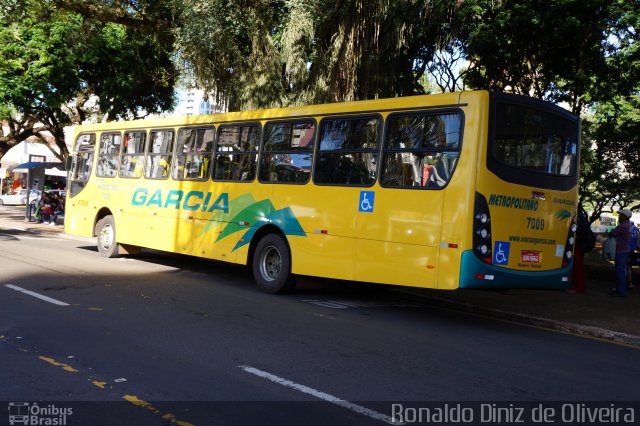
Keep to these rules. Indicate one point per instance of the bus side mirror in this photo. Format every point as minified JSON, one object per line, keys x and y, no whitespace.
{"x":67,"y":164}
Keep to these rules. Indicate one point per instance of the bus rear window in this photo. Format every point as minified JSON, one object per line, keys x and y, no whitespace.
{"x":535,"y":140}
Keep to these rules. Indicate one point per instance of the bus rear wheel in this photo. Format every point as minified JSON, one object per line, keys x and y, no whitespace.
{"x":272,"y":265}
{"x":106,"y":237}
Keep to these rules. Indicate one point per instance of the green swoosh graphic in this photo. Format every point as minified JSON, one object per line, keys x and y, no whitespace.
{"x":257,"y":213}
{"x":237,"y":204}
{"x":563,"y":214}
{"x":284,"y":219}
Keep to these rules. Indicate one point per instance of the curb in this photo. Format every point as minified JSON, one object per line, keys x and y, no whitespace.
{"x":33,"y":229}
{"x":562,"y":326}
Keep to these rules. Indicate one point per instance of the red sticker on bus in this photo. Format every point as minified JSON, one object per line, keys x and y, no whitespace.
{"x":530,"y":256}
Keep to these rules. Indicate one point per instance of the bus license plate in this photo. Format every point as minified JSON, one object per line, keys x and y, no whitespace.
{"x":531,"y":256}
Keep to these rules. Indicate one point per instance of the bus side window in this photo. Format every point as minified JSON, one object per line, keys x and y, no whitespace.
{"x":158,"y":160}
{"x":236,"y":152}
{"x":82,"y":163}
{"x":420,"y":149}
{"x":193,"y":153}
{"x":132,"y":154}
{"x":108,"y":155}
{"x":287,"y":151}
{"x":347,"y":151}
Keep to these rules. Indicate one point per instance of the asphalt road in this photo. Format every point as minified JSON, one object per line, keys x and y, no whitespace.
{"x":161,"y":339}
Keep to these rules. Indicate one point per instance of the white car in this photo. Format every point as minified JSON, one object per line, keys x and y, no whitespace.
{"x":18,"y":197}
{"x":61,"y":192}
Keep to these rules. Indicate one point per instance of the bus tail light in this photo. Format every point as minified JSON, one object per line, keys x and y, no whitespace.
{"x":482,"y":228}
{"x":568,"y":247}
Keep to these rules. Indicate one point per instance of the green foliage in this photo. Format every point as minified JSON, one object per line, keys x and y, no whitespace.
{"x":129,"y":73}
{"x":580,"y":53}
{"x":270,"y":53}
{"x":553,"y":49}
{"x":57,"y":65}
{"x":263,"y":53}
{"x":370,"y":49}
{"x":611,"y":172}
{"x":611,"y":164}
{"x":228,"y":47}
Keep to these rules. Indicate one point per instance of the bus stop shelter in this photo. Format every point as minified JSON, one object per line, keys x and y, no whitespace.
{"x":35,"y":179}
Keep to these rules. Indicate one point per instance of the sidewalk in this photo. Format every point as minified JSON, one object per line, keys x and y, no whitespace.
{"x":594,"y":314}
{"x":13,"y":217}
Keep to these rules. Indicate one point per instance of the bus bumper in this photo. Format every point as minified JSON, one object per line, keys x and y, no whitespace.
{"x":474,"y":273}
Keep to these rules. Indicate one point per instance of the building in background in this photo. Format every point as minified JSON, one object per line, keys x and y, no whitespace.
{"x":194,"y":102}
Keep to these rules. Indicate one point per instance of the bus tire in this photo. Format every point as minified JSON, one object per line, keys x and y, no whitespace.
{"x":272,"y":265}
{"x":106,"y":237}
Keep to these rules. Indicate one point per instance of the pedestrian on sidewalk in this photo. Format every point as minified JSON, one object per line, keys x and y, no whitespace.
{"x":585,"y":241}
{"x":44,"y":210}
{"x":58,"y":209}
{"x":633,"y":246}
{"x":622,"y":234}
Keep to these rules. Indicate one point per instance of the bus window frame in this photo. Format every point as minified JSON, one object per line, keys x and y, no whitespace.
{"x":79,"y":150}
{"x":522,"y":176}
{"x":148,"y":154}
{"x":143,"y":154}
{"x":106,"y":155}
{"x":262,"y":152}
{"x":427,"y":151}
{"x":75,"y":185}
{"x":212,"y":127}
{"x":257,"y":124}
{"x":377,"y":151}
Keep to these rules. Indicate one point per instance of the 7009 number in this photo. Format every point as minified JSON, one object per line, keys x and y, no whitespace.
{"x":535,"y":223}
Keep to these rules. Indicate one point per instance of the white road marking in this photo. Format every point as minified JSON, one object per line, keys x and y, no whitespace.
{"x":320,"y":395}
{"x":37,"y":295}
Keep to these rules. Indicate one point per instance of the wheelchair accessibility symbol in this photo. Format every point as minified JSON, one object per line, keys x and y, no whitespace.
{"x":501,"y":252}
{"x":366,"y":201}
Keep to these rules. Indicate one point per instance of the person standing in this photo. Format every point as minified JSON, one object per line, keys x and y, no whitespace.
{"x":585,"y":241}
{"x":622,"y":234}
{"x":633,"y":246}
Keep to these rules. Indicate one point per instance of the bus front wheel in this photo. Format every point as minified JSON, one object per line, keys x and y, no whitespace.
{"x":106,"y":237}
{"x":272,"y":265}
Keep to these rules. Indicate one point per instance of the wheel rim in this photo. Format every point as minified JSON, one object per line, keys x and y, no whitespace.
{"x":270,"y":263}
{"x":106,"y":237}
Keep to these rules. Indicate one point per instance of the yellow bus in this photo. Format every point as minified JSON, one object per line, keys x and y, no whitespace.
{"x":455,"y":190}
